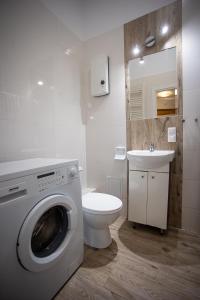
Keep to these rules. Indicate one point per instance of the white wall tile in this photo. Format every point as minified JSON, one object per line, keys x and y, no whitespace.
{"x":191,"y":110}
{"x":191,"y":220}
{"x":191,"y":134}
{"x":191,"y":44}
{"x":106,"y":116}
{"x":191,"y":194}
{"x":191,"y":103}
{"x":191,"y":164}
{"x":46,"y":120}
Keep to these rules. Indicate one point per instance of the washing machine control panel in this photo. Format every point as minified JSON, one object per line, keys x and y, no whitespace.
{"x":55,"y":177}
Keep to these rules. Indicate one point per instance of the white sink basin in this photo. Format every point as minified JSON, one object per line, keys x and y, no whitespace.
{"x":150,"y":160}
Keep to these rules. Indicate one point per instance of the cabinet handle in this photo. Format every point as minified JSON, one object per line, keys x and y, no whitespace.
{"x":152,"y":177}
{"x":142,"y":176}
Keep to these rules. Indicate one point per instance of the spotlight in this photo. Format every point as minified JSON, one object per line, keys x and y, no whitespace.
{"x":164,"y":29}
{"x":136,"y":50}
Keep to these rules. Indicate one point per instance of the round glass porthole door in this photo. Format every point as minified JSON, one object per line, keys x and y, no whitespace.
{"x":46,"y":232}
{"x":49,"y":231}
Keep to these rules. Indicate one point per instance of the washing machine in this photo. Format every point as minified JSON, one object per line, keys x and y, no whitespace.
{"x":41,"y":227}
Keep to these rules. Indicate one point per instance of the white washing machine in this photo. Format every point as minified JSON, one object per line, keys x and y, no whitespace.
{"x":41,"y":227}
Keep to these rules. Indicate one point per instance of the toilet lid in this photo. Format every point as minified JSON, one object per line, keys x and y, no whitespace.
{"x":101,"y":203}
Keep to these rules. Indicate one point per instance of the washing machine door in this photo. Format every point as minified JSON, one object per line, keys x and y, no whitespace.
{"x":46,"y":232}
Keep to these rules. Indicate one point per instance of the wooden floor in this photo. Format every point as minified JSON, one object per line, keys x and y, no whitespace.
{"x":140,"y":264}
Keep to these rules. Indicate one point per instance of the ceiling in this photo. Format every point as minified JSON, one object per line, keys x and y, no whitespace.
{"x":90,"y":18}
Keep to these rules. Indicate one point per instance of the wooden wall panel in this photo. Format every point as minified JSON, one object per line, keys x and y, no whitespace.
{"x":138,"y":30}
{"x":140,"y":133}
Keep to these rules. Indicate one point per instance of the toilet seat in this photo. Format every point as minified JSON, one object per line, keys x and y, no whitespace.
{"x":99,"y":203}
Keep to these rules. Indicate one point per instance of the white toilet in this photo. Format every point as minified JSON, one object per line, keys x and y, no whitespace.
{"x":99,"y":211}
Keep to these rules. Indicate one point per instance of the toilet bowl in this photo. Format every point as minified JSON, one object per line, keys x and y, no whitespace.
{"x":99,"y":211}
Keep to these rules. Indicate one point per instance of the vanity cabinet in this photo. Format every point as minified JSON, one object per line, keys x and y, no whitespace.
{"x":148,"y":197}
{"x":137,"y":196}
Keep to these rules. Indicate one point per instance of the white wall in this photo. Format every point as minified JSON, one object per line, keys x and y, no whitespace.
{"x":191,"y":110}
{"x":38,"y":121}
{"x":105,"y":116}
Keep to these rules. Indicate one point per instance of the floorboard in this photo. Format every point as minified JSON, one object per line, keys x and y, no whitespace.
{"x":139,"y":264}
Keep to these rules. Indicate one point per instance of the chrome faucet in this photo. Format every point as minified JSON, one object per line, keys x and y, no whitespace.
{"x":151,"y":147}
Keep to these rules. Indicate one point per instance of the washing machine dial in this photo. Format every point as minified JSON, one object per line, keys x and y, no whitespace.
{"x":73,"y":171}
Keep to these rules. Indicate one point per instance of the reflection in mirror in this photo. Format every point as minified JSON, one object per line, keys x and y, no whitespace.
{"x":166,"y":102}
{"x":152,"y":86}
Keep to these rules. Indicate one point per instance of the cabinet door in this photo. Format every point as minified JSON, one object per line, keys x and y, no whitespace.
{"x":137,"y":196}
{"x":157,"y":203}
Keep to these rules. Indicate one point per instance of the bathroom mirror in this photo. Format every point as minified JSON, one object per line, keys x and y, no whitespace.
{"x":152,"y":86}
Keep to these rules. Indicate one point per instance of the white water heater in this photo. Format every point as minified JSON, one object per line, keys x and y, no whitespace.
{"x":100,"y":76}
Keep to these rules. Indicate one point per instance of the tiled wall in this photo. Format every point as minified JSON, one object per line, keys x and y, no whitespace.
{"x":38,"y":121}
{"x":191,"y":111}
{"x":105,"y":116}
